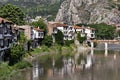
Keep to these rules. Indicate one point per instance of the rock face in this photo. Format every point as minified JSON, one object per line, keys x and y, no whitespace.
{"x":88,"y":11}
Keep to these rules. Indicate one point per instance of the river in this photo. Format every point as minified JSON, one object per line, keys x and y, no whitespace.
{"x":88,"y":65}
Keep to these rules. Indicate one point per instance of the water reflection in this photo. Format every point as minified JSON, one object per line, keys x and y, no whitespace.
{"x":89,"y":65}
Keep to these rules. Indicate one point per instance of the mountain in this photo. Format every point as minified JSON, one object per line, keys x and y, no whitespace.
{"x":36,"y":7}
{"x":89,"y":11}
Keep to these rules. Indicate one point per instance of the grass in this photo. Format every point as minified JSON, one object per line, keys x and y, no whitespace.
{"x":6,"y":71}
{"x":22,"y":65}
{"x":39,"y":50}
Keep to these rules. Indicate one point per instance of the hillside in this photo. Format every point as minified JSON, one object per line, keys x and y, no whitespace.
{"x":37,"y":7}
{"x":89,"y":11}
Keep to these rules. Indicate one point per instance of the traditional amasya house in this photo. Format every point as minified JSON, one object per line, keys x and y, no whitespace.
{"x":34,"y":34}
{"x":85,"y":31}
{"x":38,"y":35}
{"x":5,"y":36}
{"x":68,"y":31}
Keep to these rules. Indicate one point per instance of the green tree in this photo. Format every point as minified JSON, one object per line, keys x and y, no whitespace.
{"x":16,"y":54}
{"x":48,"y":41}
{"x":80,"y":39}
{"x":68,"y":42}
{"x":40,"y":23}
{"x":22,"y":38}
{"x":17,"y":51}
{"x":12,"y":13}
{"x":59,"y":38}
{"x":104,"y":31}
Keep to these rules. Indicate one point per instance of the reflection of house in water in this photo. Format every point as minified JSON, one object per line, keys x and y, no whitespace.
{"x":35,"y":72}
{"x":89,"y":61}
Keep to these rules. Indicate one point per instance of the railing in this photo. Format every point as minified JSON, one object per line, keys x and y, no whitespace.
{"x":103,"y":41}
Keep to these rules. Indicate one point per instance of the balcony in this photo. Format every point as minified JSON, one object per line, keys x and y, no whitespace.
{"x":5,"y":48}
{"x":7,"y":35}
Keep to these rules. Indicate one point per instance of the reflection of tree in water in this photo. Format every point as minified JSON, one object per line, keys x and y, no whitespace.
{"x":80,"y":59}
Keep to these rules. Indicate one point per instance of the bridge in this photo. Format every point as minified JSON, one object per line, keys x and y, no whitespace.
{"x":106,"y":42}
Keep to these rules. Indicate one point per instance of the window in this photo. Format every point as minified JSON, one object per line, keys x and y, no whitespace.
{"x":5,"y":29}
{"x":39,"y":34}
{"x":8,"y":26}
{"x":1,"y":43}
{"x":1,"y":25}
{"x":1,"y":30}
{"x":92,"y":35}
{"x":70,"y":28}
{"x":6,"y":42}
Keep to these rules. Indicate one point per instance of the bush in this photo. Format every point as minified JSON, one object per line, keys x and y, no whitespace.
{"x":80,"y":39}
{"x":59,"y":38}
{"x":22,"y":65}
{"x":48,"y":41}
{"x":5,"y":71}
{"x":68,"y":42}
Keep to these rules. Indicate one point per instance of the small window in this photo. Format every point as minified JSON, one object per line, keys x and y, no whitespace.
{"x":1,"y":43}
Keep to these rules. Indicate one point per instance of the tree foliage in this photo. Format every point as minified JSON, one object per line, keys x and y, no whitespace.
{"x":48,"y":41}
{"x":12,"y":13}
{"x":80,"y":39}
{"x":40,"y":23}
{"x":68,"y":42}
{"x":104,"y":31}
{"x":59,"y":38}
{"x":17,"y":51}
{"x":22,"y":38}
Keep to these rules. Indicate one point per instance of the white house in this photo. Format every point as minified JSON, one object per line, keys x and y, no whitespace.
{"x":68,"y":31}
{"x":85,"y":31}
{"x":90,"y":33}
{"x":38,"y":33}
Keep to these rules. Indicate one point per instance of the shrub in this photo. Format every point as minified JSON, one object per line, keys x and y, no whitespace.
{"x":48,"y":41}
{"x":68,"y":42}
{"x":22,"y":65}
{"x":81,"y":39}
{"x":59,"y":38}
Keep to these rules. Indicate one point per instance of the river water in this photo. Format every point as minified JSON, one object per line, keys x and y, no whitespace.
{"x":88,"y":65}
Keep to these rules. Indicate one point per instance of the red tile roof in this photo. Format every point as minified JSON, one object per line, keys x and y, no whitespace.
{"x":77,"y":27}
{"x":37,"y":29}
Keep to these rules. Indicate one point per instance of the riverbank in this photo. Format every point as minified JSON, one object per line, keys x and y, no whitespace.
{"x":44,"y":50}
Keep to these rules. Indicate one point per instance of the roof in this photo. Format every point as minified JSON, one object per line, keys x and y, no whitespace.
{"x":5,"y":20}
{"x":37,"y":29}
{"x":78,"y":27}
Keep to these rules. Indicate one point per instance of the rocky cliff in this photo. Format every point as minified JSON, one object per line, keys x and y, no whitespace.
{"x":88,"y":11}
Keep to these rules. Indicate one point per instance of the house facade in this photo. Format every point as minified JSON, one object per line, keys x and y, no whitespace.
{"x":85,"y":31}
{"x":68,"y":31}
{"x":117,"y":27}
{"x":38,"y":35}
{"x":5,"y":36}
{"x":90,"y":33}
